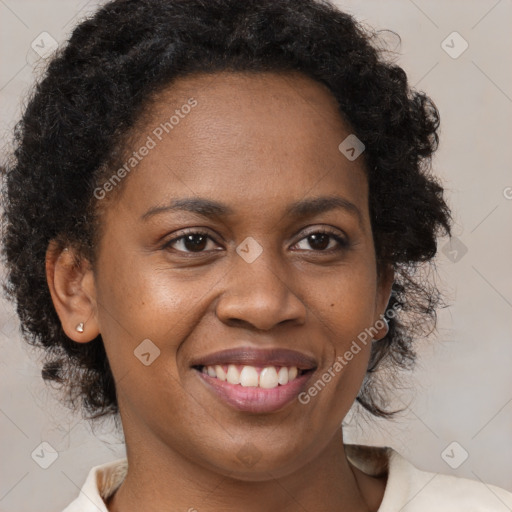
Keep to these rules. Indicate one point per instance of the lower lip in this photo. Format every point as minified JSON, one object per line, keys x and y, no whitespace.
{"x":256,"y":399}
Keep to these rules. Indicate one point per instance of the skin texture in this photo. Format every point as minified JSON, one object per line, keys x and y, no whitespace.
{"x":257,"y":143}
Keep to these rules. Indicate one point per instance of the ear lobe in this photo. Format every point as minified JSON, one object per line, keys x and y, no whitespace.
{"x":71,"y":283}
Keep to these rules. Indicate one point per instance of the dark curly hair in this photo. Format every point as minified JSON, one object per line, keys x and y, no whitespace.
{"x":97,"y":87}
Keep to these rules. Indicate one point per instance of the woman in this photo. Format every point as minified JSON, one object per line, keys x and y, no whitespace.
{"x":213,"y":221}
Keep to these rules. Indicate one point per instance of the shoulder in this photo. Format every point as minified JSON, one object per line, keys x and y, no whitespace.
{"x":101,"y":482}
{"x":410,"y":489}
{"x":420,"y":490}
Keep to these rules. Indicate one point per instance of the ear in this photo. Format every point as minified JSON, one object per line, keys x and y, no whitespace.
{"x":71,"y":283}
{"x":384,"y":288}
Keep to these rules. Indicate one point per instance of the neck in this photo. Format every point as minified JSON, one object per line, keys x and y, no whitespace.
{"x":159,"y":478}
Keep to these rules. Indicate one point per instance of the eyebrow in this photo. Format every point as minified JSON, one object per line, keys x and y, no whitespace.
{"x":214,"y":209}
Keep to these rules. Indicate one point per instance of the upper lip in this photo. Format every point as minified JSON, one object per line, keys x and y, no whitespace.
{"x":257,"y":357}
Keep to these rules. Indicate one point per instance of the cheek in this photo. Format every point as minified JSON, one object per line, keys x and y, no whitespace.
{"x":344,"y":309}
{"x":143,"y":319}
{"x":343,"y":301}
{"x":139,"y":301}
{"x":354,"y":318}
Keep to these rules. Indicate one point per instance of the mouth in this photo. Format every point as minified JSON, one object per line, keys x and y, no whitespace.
{"x":255,"y":381}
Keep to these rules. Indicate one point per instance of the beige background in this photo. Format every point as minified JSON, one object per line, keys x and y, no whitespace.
{"x":462,"y":389}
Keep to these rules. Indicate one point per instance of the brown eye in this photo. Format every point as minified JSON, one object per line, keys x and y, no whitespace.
{"x":324,"y":241}
{"x":191,"y":242}
{"x":319,"y":241}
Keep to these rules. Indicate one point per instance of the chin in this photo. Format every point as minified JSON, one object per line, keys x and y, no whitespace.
{"x":257,"y":462}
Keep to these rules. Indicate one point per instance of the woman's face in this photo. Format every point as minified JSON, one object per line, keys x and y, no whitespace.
{"x":250,"y":154}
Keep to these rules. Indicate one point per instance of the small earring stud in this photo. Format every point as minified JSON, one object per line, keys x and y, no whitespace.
{"x":80,"y":327}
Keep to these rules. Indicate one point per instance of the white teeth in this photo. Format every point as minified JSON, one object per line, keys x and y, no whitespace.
{"x":233,"y":375}
{"x":249,"y":376}
{"x":282,"y":375}
{"x":221,"y":374}
{"x":267,"y":378}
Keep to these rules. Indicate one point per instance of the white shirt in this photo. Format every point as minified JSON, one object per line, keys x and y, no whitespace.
{"x":408,"y":489}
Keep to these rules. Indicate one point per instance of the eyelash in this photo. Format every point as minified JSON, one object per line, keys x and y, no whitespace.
{"x":342,"y":242}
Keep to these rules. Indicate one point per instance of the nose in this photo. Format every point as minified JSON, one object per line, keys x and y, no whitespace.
{"x":259,"y":295}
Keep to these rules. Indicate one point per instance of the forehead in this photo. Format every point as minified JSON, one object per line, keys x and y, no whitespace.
{"x":244,"y":138}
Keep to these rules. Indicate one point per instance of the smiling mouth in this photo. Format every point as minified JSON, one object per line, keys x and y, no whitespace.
{"x":267,"y":377}
{"x":243,"y":387}
{"x":255,"y":380}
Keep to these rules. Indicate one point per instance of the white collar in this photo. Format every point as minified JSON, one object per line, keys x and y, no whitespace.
{"x":406,"y":485}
